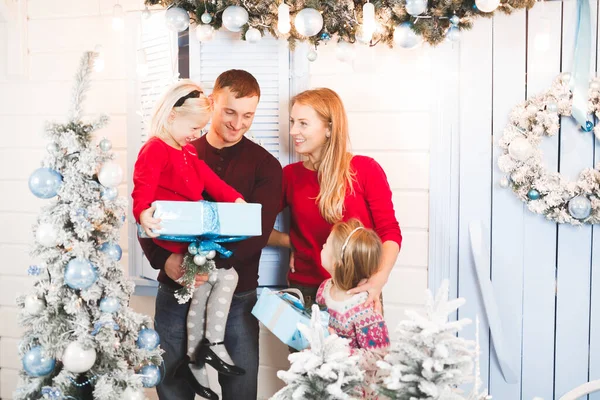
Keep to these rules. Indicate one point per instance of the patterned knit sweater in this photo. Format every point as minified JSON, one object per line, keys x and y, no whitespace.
{"x":350,"y":319}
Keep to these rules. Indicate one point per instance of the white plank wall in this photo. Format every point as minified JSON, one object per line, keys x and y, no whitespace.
{"x":543,"y":275}
{"x":387,"y":95}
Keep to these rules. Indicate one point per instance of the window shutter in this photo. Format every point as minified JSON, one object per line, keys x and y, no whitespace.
{"x":269,"y":61}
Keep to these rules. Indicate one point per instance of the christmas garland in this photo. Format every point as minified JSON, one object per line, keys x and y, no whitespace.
{"x":343,"y":18}
{"x":545,"y":192}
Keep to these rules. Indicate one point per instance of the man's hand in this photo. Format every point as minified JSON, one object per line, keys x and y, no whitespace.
{"x":174,"y":270}
{"x":148,"y":222}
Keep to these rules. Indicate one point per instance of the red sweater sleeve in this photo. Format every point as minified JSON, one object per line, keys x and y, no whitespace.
{"x":215,"y":186}
{"x":379,"y":198}
{"x":151,"y":161}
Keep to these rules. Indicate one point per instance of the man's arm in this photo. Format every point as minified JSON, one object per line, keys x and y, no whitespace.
{"x":267,"y":191}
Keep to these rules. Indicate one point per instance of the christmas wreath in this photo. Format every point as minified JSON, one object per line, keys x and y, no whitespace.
{"x":548,"y":192}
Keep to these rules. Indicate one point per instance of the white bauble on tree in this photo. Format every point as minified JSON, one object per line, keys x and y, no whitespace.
{"x":110,"y":174}
{"x":253,"y":35}
{"x":487,"y":5}
{"x":416,"y":7}
{"x":204,"y":33}
{"x":177,"y":19}
{"x":308,"y":22}
{"x":132,"y":394}
{"x":405,"y":37}
{"x":47,"y":235}
{"x":345,"y":51}
{"x":33,"y":305}
{"x":76,"y":359}
{"x":234,"y":17}
{"x":520,"y":149}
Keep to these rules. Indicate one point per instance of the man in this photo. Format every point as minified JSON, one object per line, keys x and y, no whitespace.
{"x":257,"y":175}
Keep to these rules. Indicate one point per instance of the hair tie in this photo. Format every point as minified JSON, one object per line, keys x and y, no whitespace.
{"x":348,"y":239}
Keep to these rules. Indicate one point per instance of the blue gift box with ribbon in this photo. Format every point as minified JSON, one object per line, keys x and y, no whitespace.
{"x":205,"y":218}
{"x":281,"y":312}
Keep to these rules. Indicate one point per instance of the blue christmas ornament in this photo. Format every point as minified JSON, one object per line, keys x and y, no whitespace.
{"x":45,"y":182}
{"x":36,"y":364}
{"x":193,"y":249}
{"x":150,"y":375}
{"x":453,"y":34}
{"x":325,"y":36}
{"x":148,"y":339}
{"x":454,"y":20}
{"x":533,"y":194}
{"x":100,"y":325}
{"x":80,"y":274}
{"x":589,"y":125}
{"x":113,"y":250}
{"x":109,"y":193}
{"x":110,"y":305}
{"x":580,"y":207}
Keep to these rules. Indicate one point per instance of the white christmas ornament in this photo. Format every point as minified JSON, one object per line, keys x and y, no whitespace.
{"x":520,"y":149}
{"x":204,"y":33}
{"x":405,"y":37}
{"x":199,"y":259}
{"x":47,"y":235}
{"x":416,"y":7}
{"x":110,"y":174}
{"x":234,"y":17}
{"x":211,"y":254}
{"x":33,"y":305}
{"x":76,"y":359}
{"x":345,"y":51}
{"x":177,"y":19}
{"x":312,"y":55}
{"x":118,"y":19}
{"x":308,"y":22}
{"x":487,"y":5}
{"x":253,"y":35}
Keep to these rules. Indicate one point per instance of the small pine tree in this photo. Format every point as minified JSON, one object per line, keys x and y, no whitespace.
{"x":428,"y":361}
{"x":81,"y":339}
{"x":325,"y":371}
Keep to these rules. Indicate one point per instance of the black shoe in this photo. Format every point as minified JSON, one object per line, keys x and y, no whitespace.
{"x":183,"y":371}
{"x":204,"y":354}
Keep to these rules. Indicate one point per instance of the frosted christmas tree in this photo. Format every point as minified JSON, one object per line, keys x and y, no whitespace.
{"x":325,"y":371}
{"x":428,"y":361}
{"x":81,"y":340}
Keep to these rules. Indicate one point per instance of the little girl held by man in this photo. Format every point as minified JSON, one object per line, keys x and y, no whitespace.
{"x":168,"y":168}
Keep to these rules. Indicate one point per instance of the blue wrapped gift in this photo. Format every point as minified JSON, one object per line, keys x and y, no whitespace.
{"x":281,"y":312}
{"x":209,"y":219}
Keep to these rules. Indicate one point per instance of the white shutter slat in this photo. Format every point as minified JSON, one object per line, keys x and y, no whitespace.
{"x":268,"y":61}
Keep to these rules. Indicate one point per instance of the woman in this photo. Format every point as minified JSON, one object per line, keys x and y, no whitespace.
{"x":331,"y":185}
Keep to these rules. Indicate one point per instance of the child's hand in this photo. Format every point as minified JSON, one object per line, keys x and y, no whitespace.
{"x":148,"y":222}
{"x":240,"y":200}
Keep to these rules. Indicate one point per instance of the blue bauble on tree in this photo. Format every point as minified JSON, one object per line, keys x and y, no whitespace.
{"x":150,"y":375}
{"x":45,"y":182}
{"x":109,"y":193}
{"x":110,"y":305}
{"x":36,"y":364}
{"x":533,"y":194}
{"x":80,"y":274}
{"x":148,"y":339}
{"x":113,"y":250}
{"x":589,"y":125}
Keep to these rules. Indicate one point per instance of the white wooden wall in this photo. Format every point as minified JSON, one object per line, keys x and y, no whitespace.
{"x":544,"y":276}
{"x":387,"y":94}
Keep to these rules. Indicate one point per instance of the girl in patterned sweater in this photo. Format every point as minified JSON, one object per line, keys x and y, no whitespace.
{"x":352,"y":254}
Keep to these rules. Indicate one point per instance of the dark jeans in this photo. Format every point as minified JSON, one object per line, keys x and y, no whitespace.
{"x":241,"y":340}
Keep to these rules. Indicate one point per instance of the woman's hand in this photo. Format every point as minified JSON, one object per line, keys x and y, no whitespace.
{"x":240,"y":200}
{"x":373,"y":286}
{"x":148,"y":222}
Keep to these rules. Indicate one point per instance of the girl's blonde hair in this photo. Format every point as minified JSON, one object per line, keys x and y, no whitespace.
{"x":335,"y":176}
{"x":192,"y":106}
{"x":356,"y":253}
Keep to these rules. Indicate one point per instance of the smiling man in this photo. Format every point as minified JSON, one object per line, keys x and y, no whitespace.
{"x":257,"y":175}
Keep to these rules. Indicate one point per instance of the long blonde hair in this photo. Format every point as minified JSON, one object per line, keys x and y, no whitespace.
{"x":200,"y":106}
{"x":334,"y":173}
{"x":356,"y":253}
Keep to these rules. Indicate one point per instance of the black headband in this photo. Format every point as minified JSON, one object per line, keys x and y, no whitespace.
{"x":194,"y":94}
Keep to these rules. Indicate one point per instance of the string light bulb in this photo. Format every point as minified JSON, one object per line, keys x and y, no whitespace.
{"x":118,"y":18}
{"x":368,"y":26}
{"x":284,"y":24}
{"x":99,"y":60}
